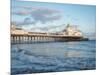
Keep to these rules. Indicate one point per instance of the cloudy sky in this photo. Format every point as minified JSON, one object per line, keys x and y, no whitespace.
{"x":53,"y":17}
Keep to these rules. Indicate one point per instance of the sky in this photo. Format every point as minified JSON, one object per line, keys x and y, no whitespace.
{"x":53,"y":17}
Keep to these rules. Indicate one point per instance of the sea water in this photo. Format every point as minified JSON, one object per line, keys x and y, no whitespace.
{"x":53,"y":57}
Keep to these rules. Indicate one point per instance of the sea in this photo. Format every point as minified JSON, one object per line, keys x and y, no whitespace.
{"x":53,"y":57}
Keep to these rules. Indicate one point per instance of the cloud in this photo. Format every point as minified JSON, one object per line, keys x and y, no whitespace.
{"x":53,"y":28}
{"x":26,"y":21}
{"x":43,"y":15}
{"x":21,"y":13}
{"x":43,"y":18}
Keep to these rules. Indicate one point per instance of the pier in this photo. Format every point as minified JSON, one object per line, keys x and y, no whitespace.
{"x":19,"y":35}
{"x":42,"y":38}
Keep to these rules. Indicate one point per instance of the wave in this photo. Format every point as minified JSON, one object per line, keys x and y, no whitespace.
{"x":25,"y":61}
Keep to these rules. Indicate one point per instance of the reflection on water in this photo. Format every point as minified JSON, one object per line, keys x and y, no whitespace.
{"x":55,"y":56}
{"x":73,"y":54}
